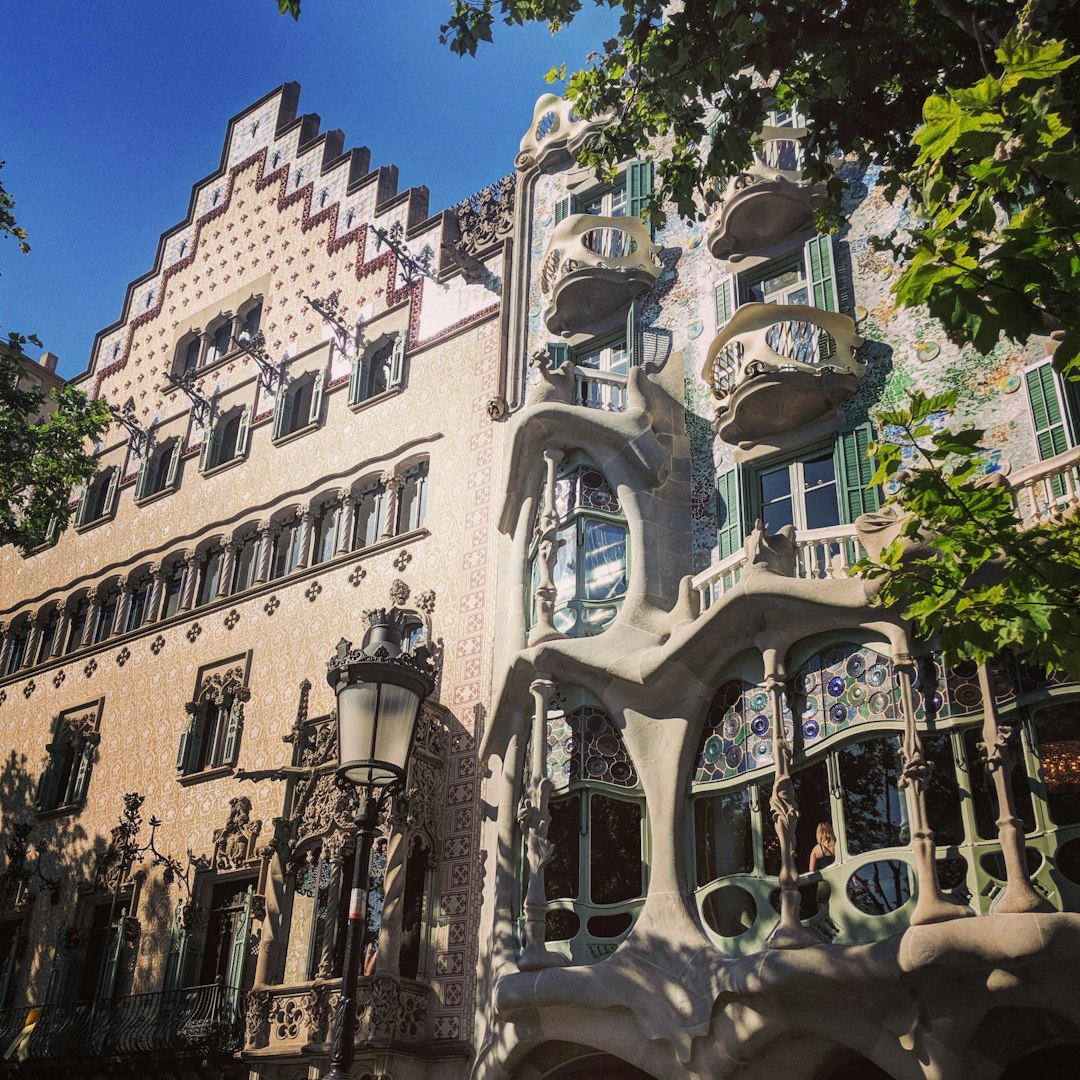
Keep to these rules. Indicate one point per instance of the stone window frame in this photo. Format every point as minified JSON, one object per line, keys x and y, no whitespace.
{"x":72,"y":752}
{"x":210,"y":741}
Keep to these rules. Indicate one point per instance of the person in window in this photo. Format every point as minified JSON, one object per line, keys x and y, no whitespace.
{"x":824,"y":852}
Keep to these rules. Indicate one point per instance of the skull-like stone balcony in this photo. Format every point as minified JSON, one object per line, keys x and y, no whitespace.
{"x":767,"y":202}
{"x":779,"y":367}
{"x":593,"y":269}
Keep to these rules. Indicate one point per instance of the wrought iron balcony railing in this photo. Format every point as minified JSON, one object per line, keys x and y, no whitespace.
{"x":202,"y":1020}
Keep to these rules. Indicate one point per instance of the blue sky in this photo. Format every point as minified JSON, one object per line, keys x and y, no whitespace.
{"x":111,"y":111}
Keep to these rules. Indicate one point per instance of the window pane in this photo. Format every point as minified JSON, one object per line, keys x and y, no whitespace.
{"x":875,"y":813}
{"x":982,"y":788}
{"x":209,"y":584}
{"x":562,"y":879}
{"x":566,"y":566}
{"x":245,"y":564}
{"x":776,"y":485}
{"x":812,"y":793}
{"x":1057,"y":729}
{"x":173,"y":586}
{"x":723,"y":836}
{"x":605,"y":560}
{"x":943,"y":792}
{"x":615,"y":868}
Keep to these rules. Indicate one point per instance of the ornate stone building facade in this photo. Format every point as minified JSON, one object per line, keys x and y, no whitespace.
{"x":683,"y":804}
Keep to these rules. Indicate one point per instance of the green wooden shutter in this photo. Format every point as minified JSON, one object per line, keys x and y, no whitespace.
{"x":83,"y":767}
{"x":639,"y":185}
{"x":280,"y":408}
{"x":109,"y":506}
{"x":188,"y":741}
{"x":233,"y":732}
{"x":821,"y":273}
{"x":11,"y":963}
{"x":729,"y":512}
{"x":316,"y":399}
{"x":356,"y":380}
{"x":47,"y":785}
{"x":726,"y":301}
{"x":174,"y":462}
{"x":397,"y":361}
{"x":633,"y":335}
{"x":1048,"y":416}
{"x":243,"y":433}
{"x":239,"y":951}
{"x":565,"y":207}
{"x":144,"y":474}
{"x":113,"y":951}
{"x":175,"y":961}
{"x":57,"y":989}
{"x":854,"y":468}
{"x":208,"y":457}
{"x":84,"y":501}
{"x":559,"y":354}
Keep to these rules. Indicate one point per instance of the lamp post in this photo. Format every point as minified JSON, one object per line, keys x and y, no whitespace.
{"x":380,"y":688}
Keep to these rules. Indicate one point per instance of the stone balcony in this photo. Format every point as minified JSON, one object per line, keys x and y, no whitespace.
{"x":593,"y":269}
{"x":767,"y":202}
{"x":776,"y":368}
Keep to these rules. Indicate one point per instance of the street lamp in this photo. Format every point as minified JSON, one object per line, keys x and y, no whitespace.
{"x":380,"y":688}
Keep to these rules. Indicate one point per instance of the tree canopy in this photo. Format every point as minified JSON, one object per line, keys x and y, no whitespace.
{"x":44,"y":443}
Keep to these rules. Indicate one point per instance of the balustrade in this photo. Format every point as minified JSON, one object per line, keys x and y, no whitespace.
{"x":599,"y":390}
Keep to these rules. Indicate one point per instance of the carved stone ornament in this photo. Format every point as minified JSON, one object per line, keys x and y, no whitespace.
{"x":235,"y":844}
{"x":215,"y":688}
{"x":497,"y":408}
{"x":486,"y":218}
{"x":258,"y":1018}
{"x":771,"y":552}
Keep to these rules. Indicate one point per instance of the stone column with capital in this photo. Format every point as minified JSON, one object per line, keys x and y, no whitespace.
{"x":62,"y":624}
{"x":303,"y":524}
{"x":931,"y":905}
{"x":229,"y":548}
{"x":999,"y":757}
{"x":153,"y":601}
{"x":33,"y":637}
{"x":790,"y":934}
{"x":192,"y":562}
{"x":534,"y":818}
{"x":93,"y":613}
{"x":392,"y":483}
{"x":346,"y":522}
{"x":266,"y":552}
{"x":123,"y":602}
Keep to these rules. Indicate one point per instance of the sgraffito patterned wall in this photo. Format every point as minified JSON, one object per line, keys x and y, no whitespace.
{"x":272,"y":216}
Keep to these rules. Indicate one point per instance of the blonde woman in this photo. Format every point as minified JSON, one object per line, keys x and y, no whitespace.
{"x":824,"y":853}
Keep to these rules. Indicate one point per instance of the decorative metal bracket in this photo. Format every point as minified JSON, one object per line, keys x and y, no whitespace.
{"x":200,"y":406}
{"x":255,"y":347}
{"x":328,"y":309}
{"x":411,"y":265}
{"x":137,"y":436}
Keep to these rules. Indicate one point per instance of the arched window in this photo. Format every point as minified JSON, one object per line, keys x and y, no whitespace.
{"x":298,"y":405}
{"x":412,"y":502}
{"x":251,"y":321}
{"x":370,"y":514}
{"x":228,"y":440}
{"x":47,"y":642}
{"x":211,"y":737}
{"x":247,"y":563}
{"x":595,"y":879}
{"x":99,"y":499}
{"x":80,"y":612}
{"x":286,"y":549}
{"x":326,"y":531}
{"x":15,"y":648}
{"x":210,"y":576}
{"x":590,"y":560}
{"x":107,"y":603}
{"x":138,"y":602}
{"x":160,"y":469}
{"x":379,"y":369}
{"x":187,"y":354}
{"x":220,"y":340}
